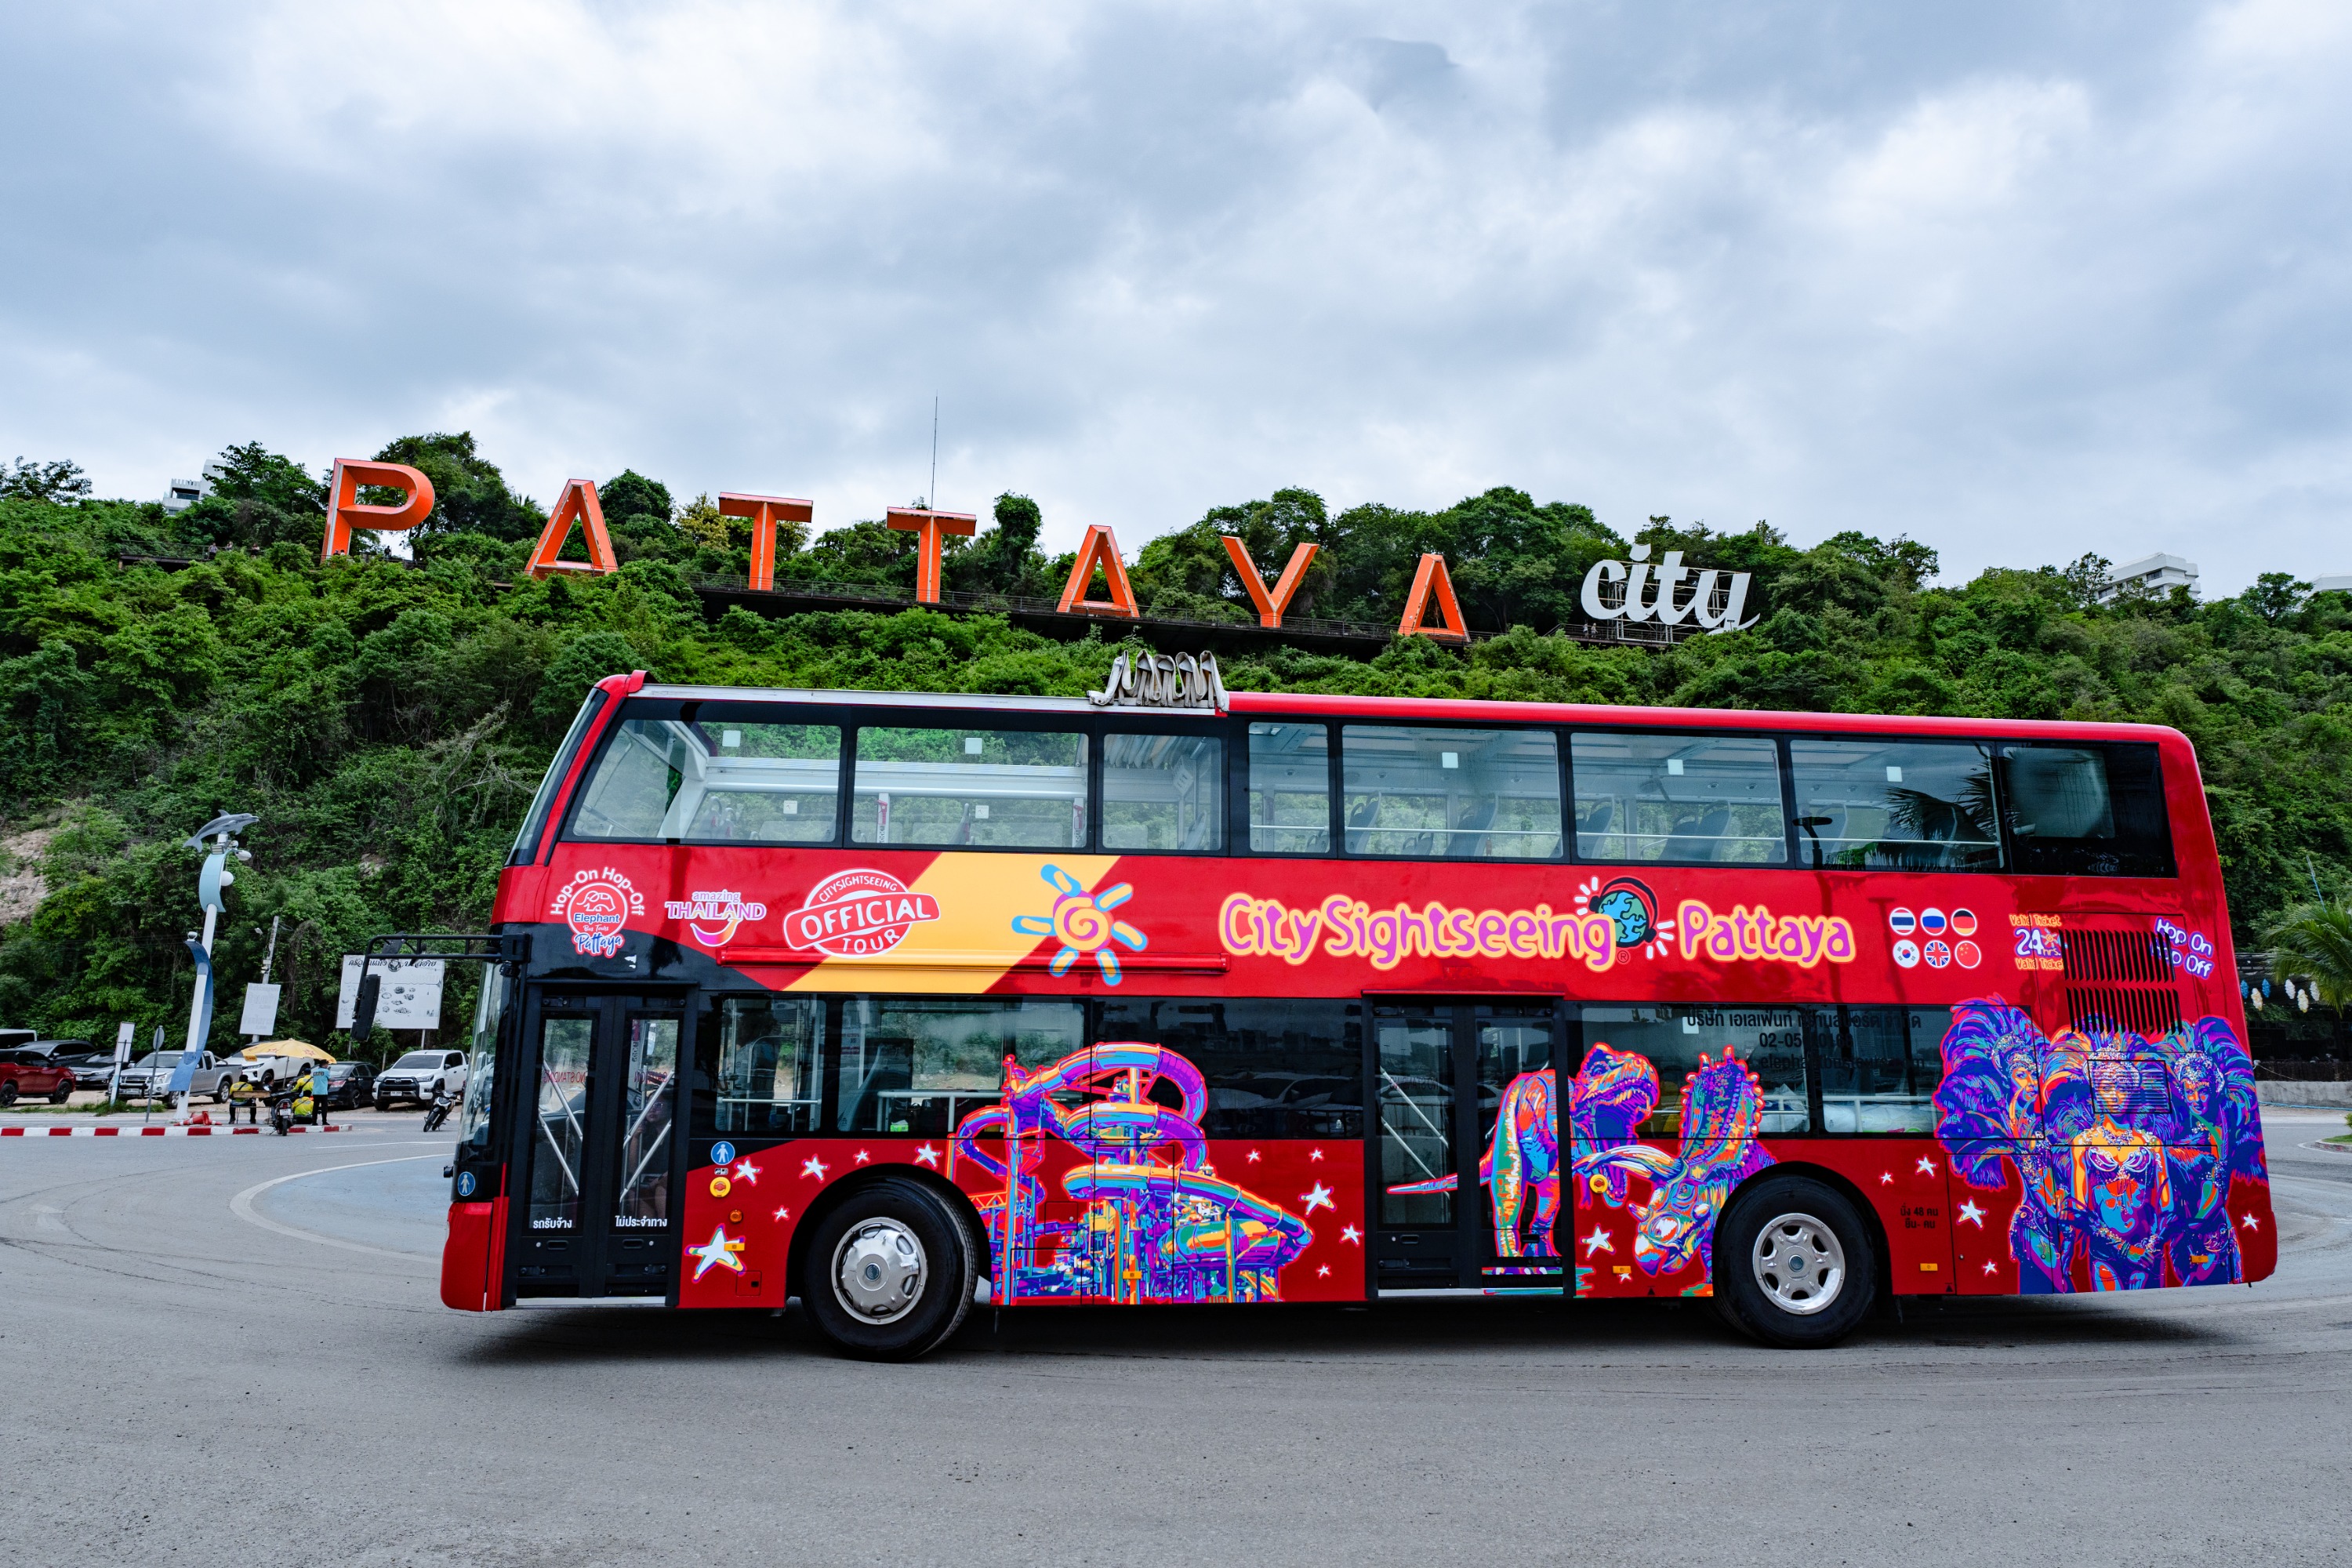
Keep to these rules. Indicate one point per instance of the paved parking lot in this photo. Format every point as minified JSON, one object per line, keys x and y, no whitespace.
{"x":230,"y":1352}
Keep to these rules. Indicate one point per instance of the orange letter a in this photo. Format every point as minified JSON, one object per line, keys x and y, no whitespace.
{"x":1431,"y":575}
{"x":577,"y":504}
{"x":1099,"y":549}
{"x":1269,"y":605}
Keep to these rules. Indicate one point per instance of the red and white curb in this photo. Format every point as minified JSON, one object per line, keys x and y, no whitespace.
{"x":156,"y":1132}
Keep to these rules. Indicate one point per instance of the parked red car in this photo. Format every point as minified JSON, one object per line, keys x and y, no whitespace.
{"x":34,"y":1075}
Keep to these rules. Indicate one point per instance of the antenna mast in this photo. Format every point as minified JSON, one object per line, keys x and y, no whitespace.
{"x":931,"y":498}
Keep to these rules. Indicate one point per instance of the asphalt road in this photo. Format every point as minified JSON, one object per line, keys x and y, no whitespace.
{"x":202,"y":1368}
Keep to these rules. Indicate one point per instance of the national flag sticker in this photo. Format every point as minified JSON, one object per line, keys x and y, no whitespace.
{"x":1907,"y":954}
{"x":1904,"y":921}
{"x":1932,"y":923}
{"x":1967,"y":955}
{"x":1938,"y":954}
{"x":1964,"y":922}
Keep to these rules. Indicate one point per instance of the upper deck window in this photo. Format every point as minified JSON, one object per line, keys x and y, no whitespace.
{"x":1451,"y":795}
{"x":722,"y":782}
{"x":2087,"y":809}
{"x":1164,"y":792}
{"x":1905,"y":806}
{"x":1003,"y":789}
{"x":1652,"y":796}
{"x":1290,"y":789}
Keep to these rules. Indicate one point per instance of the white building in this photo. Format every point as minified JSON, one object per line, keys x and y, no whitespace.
{"x":182,"y":494}
{"x":2341,"y":583}
{"x":2154,"y":575}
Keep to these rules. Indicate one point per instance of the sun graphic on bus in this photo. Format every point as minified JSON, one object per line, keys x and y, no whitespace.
{"x":1083,"y":922}
{"x":1628,"y":901}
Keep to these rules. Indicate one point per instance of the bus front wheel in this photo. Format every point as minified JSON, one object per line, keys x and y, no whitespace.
{"x":1793,"y":1264}
{"x":889,"y":1272}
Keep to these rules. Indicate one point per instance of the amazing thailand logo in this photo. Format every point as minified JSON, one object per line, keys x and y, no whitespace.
{"x":597,"y":905}
{"x":714,"y":917}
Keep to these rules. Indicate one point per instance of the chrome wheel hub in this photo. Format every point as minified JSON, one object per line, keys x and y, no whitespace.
{"x":1799,"y":1263}
{"x":879,"y":1271}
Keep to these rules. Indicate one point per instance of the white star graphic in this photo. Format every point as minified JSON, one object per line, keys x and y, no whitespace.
{"x":1323,"y":1272}
{"x":1885,"y":1178}
{"x":1320,"y":1198}
{"x":1971,"y":1213}
{"x":1598,"y":1242}
{"x":1313,"y":1155}
{"x":1990,"y":1269}
{"x":862,"y":1158}
{"x":1349,"y":1233}
{"x":1927,"y":1166}
{"x":813,"y":1166}
{"x":717,"y":1253}
{"x":927,"y":1155}
{"x":1253,"y":1156}
{"x":784,"y":1214}
{"x":745,"y":1171}
{"x":2251,"y":1223}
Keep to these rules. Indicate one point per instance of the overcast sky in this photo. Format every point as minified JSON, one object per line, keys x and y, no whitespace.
{"x":2019,"y":279}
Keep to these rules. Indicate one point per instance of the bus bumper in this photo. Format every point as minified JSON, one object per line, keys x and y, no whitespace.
{"x":473,"y":1261}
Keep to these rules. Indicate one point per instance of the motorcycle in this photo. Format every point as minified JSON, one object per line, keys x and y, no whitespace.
{"x":281,"y":1111}
{"x":443,"y":1103}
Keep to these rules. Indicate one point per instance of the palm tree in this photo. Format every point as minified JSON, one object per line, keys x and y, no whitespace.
{"x":2315,"y":942}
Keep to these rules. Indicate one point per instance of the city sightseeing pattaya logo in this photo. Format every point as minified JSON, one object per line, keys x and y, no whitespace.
{"x":714,"y":917}
{"x":597,"y":905}
{"x":858,"y":914}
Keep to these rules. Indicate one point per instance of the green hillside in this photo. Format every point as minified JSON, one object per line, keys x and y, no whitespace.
{"x":389,"y":719}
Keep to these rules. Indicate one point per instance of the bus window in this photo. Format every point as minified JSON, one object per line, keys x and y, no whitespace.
{"x":714,"y":782}
{"x":1451,"y":795}
{"x":1644,"y":796}
{"x":1290,"y":789}
{"x":922,"y":1064}
{"x":2086,"y":810}
{"x":1905,"y":806}
{"x":534,"y":822}
{"x":1879,"y":1066}
{"x":1003,"y":789}
{"x":1769,"y":1041}
{"x":759,"y":1057}
{"x":1275,"y":1068}
{"x":473,"y":1124}
{"x":1163,"y":792}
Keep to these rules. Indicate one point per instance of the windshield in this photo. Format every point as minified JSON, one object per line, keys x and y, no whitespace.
{"x":162,"y":1058}
{"x":481,"y":1072}
{"x":419,"y":1059}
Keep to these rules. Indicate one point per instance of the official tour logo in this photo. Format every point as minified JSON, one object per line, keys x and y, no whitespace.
{"x":597,"y":905}
{"x":713,"y":917}
{"x":858,"y":914}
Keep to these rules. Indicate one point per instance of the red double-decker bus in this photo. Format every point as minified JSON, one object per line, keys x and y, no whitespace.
{"x":896,"y":1003}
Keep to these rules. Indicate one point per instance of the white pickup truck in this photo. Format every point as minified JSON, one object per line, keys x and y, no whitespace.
{"x":150,"y":1078}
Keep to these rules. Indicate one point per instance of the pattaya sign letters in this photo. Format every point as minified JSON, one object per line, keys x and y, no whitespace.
{"x":1632,"y":589}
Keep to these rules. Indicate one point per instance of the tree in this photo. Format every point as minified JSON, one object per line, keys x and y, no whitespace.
{"x":54,"y":481}
{"x":469,"y":494}
{"x":2275,"y":596}
{"x":2314,"y":942}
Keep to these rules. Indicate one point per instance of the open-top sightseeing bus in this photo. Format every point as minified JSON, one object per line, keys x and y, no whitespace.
{"x":899,"y":1003}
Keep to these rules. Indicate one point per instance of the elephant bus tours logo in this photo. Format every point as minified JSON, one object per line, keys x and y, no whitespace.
{"x":858,"y":914}
{"x":597,"y":905}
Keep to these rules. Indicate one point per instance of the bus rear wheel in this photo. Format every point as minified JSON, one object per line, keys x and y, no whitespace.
{"x":1793,"y":1264}
{"x":889,"y":1272}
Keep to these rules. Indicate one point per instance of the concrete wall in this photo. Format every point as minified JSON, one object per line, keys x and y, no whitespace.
{"x":2289,"y":1091}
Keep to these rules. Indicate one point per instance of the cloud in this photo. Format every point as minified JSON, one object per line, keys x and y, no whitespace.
{"x":2019,"y":280}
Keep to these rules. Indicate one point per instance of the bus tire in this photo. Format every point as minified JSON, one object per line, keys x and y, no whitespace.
{"x":1793,"y":1264}
{"x":889,"y":1272}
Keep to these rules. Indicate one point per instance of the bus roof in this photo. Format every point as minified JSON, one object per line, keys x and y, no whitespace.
{"x":1453,"y":709}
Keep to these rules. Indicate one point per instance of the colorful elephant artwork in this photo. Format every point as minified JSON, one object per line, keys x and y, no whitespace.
{"x":1613,"y":1093}
{"x":2125,"y":1146}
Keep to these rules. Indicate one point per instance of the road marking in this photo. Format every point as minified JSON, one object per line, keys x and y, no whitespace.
{"x":242,"y":1206}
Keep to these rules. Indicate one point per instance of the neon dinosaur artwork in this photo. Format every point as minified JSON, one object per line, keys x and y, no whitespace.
{"x":1722,"y":1121}
{"x":2125,"y":1146}
{"x":1136,"y":1225}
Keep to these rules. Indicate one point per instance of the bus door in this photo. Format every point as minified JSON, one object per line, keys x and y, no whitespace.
{"x":1466,"y":1179}
{"x":598,"y":1165}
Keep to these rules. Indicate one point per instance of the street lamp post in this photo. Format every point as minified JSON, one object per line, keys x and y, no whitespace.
{"x":220,"y":833}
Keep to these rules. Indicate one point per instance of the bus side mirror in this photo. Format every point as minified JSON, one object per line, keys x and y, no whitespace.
{"x":363,"y":1009}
